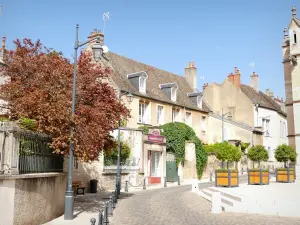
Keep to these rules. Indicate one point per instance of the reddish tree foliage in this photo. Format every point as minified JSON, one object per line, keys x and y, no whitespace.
{"x":40,"y":88}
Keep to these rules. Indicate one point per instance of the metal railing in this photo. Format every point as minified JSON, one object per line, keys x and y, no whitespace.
{"x":35,"y":155}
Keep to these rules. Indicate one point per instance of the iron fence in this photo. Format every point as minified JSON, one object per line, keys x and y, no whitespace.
{"x":35,"y":155}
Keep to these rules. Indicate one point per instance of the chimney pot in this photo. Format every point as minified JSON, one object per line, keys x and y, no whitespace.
{"x":3,"y":43}
{"x":294,"y":14}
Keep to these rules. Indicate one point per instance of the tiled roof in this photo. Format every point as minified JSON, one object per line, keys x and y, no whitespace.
{"x":261,"y":98}
{"x":122,"y":66}
{"x":297,"y":21}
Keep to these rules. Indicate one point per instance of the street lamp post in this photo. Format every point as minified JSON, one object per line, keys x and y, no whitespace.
{"x":118,"y":177}
{"x":98,"y":51}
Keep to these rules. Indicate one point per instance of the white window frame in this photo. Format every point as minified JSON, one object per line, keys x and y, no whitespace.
{"x":160,"y":117}
{"x":266,"y":126}
{"x":173,"y":94}
{"x":144,"y":113}
{"x":142,"y":84}
{"x":203,"y":124}
{"x":175,"y":117}
{"x":200,"y":102}
{"x":188,"y":121}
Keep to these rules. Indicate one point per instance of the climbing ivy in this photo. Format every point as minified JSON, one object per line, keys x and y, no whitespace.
{"x":144,"y":129}
{"x":176,"y":135}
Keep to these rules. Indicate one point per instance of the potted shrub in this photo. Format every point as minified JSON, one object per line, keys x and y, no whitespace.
{"x":226,"y":152}
{"x":285,"y":153}
{"x":256,"y":175}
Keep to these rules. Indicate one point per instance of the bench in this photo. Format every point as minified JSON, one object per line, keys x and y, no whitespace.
{"x":78,"y":187}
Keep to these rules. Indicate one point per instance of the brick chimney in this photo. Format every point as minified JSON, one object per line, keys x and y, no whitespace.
{"x":254,"y":81}
{"x":235,"y":77}
{"x":204,"y":86}
{"x":95,"y":33}
{"x":190,"y":74}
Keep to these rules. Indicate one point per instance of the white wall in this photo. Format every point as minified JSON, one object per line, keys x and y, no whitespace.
{"x":275,"y":138}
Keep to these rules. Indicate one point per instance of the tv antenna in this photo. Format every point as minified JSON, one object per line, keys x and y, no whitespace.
{"x":251,"y":65}
{"x":105,"y":17}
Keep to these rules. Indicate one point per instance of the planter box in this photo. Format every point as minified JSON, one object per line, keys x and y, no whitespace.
{"x":285,"y":175}
{"x":227,"y":178}
{"x":258,"y":176}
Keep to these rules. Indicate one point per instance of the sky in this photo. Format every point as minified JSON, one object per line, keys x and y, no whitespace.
{"x":216,"y":34}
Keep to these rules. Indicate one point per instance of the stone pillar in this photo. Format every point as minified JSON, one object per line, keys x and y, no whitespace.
{"x":190,"y":169}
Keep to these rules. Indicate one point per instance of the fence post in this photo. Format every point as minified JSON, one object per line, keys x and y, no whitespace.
{"x":126,"y":186}
{"x":105,"y":218}
{"x":210,"y":176}
{"x":113,"y":200}
{"x":110,"y":210}
{"x":178,"y":180}
{"x":165,"y":182}
{"x":144,"y":185}
{"x":116,"y":196}
{"x":100,"y":222}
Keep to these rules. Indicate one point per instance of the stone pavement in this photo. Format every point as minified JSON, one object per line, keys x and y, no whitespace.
{"x":179,"y":205}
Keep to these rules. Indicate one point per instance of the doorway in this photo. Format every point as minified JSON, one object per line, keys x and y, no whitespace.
{"x":154,"y":167}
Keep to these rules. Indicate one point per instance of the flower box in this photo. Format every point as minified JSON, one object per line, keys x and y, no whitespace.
{"x":227,"y":178}
{"x":258,"y":176}
{"x":285,"y":175}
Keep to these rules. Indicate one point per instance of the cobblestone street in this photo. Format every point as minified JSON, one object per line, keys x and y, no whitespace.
{"x":179,"y":205}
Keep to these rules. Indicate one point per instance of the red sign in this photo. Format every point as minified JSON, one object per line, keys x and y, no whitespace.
{"x":155,"y":138}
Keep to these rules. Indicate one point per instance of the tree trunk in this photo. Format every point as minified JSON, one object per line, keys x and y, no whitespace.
{"x":227,"y":165}
{"x":259,"y":164}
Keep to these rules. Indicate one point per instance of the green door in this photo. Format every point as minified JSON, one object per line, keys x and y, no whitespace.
{"x":172,"y":174}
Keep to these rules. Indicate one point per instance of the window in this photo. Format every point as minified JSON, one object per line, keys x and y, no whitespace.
{"x":266,"y":126}
{"x":142,"y":84}
{"x":188,"y":118}
{"x":75,"y":164}
{"x":199,"y":102}
{"x":295,"y":38}
{"x":160,"y":115}
{"x":175,"y":115}
{"x":203,"y":124}
{"x":173,"y":94}
{"x":143,"y":112}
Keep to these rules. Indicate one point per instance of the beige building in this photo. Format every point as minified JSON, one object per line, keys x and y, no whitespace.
{"x":259,"y":118}
{"x":291,"y":54}
{"x":3,"y":109}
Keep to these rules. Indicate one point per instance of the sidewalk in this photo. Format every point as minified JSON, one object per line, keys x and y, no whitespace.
{"x":87,"y":206}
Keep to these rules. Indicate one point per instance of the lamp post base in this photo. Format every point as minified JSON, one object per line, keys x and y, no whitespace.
{"x":69,"y":206}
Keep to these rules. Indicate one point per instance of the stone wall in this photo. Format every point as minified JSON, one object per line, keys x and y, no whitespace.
{"x":31,"y":199}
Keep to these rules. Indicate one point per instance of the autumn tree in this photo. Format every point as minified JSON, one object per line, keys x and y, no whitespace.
{"x":40,"y":88}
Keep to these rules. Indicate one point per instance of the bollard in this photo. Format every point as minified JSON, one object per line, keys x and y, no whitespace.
{"x":113,"y":201}
{"x":178,"y":180}
{"x":210,"y":176}
{"x":216,"y":202}
{"x":126,"y":186}
{"x":110,"y":210}
{"x":100,"y":222}
{"x":242,"y":170}
{"x":105,"y":217}
{"x":144,"y":185}
{"x":116,"y":196}
{"x":93,"y":221}
{"x":165,"y":183}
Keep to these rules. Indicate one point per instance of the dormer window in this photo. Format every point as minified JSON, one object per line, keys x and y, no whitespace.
{"x":199,"y":102}
{"x":174,"y":94}
{"x":139,"y":81}
{"x":170,"y":90}
{"x":142,"y":88}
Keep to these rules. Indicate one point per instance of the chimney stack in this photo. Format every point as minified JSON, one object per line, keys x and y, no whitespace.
{"x":96,"y":33}
{"x":204,"y":86}
{"x":254,"y":81}
{"x":235,"y":77}
{"x":3,"y":43}
{"x":190,"y":74}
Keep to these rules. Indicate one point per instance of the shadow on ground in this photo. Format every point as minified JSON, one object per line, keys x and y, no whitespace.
{"x":92,"y":203}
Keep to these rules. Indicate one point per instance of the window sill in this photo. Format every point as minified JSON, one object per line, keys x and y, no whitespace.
{"x":140,"y":123}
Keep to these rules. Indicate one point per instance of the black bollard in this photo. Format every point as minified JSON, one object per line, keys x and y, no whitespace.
{"x":105,"y":217}
{"x":126,"y":186}
{"x":100,"y":222}
{"x":116,"y":196}
{"x":144,"y":185}
{"x":210,"y":176}
{"x":110,"y":209}
{"x":93,"y":221}
{"x":165,"y":183}
{"x":178,"y":180}
{"x":113,"y":201}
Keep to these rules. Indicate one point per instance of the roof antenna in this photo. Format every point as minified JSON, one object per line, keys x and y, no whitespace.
{"x":1,"y":7}
{"x":251,"y":65}
{"x":105,"y":17}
